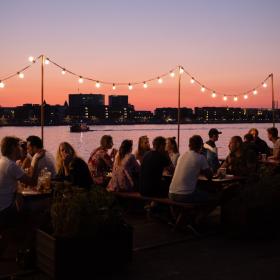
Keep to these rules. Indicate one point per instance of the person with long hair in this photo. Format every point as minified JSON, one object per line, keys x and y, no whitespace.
{"x":72,"y":168}
{"x":143,"y":148}
{"x":172,"y":150}
{"x":125,"y":170}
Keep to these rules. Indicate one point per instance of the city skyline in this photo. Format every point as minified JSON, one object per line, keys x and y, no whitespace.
{"x":230,"y":47}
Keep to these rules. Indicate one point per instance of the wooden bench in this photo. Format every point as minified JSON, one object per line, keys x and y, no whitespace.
{"x":182,"y":207}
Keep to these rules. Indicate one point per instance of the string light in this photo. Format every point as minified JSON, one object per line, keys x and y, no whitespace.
{"x":20,"y":75}
{"x":214,"y":94}
{"x":130,"y":87}
{"x":145,"y":85}
{"x":225,"y":98}
{"x":192,"y":81}
{"x":98,"y":85}
{"x":255,"y":92}
{"x":159,"y":80}
{"x":235,"y":98}
{"x":202,"y":89}
{"x":181,"y":70}
{"x":2,"y":85}
{"x":114,"y":87}
{"x":264,"y":84}
{"x":63,"y":72}
{"x":81,"y":80}
{"x":31,"y":59}
{"x":245,"y":96}
{"x":47,"y":61}
{"x":172,"y":74}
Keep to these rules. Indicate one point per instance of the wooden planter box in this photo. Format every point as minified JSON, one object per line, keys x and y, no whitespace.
{"x":61,"y":258}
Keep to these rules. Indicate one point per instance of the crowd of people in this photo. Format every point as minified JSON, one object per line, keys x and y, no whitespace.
{"x":159,"y":171}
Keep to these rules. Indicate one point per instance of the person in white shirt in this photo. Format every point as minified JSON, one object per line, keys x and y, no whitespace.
{"x":190,"y":165}
{"x":10,"y":174}
{"x":34,"y":147}
{"x":272,"y":134}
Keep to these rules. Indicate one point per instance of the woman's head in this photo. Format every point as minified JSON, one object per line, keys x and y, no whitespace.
{"x":125,"y":148}
{"x":143,"y":144}
{"x":65,"y":151}
{"x":106,"y":142}
{"x":171,"y":145}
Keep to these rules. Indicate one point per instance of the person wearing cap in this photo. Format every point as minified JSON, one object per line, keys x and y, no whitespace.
{"x":211,"y":151}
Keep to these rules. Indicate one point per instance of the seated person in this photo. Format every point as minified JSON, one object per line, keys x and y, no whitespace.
{"x":72,"y":168}
{"x":190,"y":165}
{"x":240,"y":162}
{"x":100,"y":162}
{"x":10,"y":174}
{"x":126,"y":170}
{"x":272,"y":134}
{"x":34,"y":147}
{"x":172,"y":150}
{"x":143,"y":147}
{"x":261,"y":144}
{"x":154,"y":161}
{"x":25,"y":159}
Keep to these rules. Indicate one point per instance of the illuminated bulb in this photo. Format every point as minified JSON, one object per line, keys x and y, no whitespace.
{"x":81,"y":80}
{"x":63,"y":72}
{"x":97,"y":84}
{"x":159,"y":80}
{"x":47,"y":61}
{"x":2,"y":85}
{"x":145,"y":85}
{"x":114,"y":87}
{"x":255,"y":92}
{"x":264,"y":85}
{"x":172,"y":74}
{"x":181,"y":71}
{"x":31,"y":59}
{"x":245,"y":96}
{"x":225,"y":98}
{"x":235,"y":98}
{"x":202,"y":89}
{"x":130,"y":86}
{"x":214,"y":94}
{"x":192,"y":81}
{"x":20,"y":75}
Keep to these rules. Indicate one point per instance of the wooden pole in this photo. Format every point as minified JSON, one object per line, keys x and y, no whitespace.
{"x":273,"y":101}
{"x":179,"y":109}
{"x":42,"y":97}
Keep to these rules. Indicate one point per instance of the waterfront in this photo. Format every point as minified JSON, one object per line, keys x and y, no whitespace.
{"x":85,"y":142}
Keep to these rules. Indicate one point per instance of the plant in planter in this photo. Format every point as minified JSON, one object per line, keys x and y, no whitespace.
{"x":88,"y":234}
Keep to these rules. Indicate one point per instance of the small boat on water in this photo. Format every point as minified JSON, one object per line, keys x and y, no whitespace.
{"x":79,"y":127}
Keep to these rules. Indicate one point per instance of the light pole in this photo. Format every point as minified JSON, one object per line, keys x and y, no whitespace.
{"x":179,"y":107}
{"x":273,"y":101}
{"x":42,"y":97}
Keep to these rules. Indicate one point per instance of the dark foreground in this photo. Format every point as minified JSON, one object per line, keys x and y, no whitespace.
{"x":160,"y":253}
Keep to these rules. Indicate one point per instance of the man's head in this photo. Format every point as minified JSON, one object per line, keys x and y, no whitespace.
{"x":248,"y":138}
{"x":159,"y":144}
{"x":235,"y":144}
{"x":254,"y":132}
{"x":10,"y":147}
{"x":214,"y":134}
{"x":195,"y":143}
{"x":106,"y":142}
{"x":34,"y":144}
{"x":272,"y":133}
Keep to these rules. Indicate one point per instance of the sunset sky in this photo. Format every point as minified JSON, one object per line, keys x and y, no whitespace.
{"x":230,"y":46}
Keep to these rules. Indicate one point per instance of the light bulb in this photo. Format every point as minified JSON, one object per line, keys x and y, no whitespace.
{"x":145,"y":85}
{"x":202,"y":89}
{"x":63,"y":72}
{"x":31,"y":59}
{"x":2,"y":85}
{"x":98,"y":85}
{"x":20,"y":75}
{"x":192,"y":81}
{"x":235,"y":98}
{"x":47,"y":61}
{"x":114,"y":87}
{"x":81,"y":80}
{"x":245,"y":96}
{"x":214,"y":94}
{"x":181,"y":71}
{"x":255,"y":92}
{"x":172,"y":74}
{"x":225,"y":98}
{"x":159,"y":80}
{"x":264,"y":84}
{"x":130,"y":86}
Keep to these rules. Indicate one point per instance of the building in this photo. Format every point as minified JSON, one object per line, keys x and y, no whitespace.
{"x":170,"y":115}
{"x":118,"y":101}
